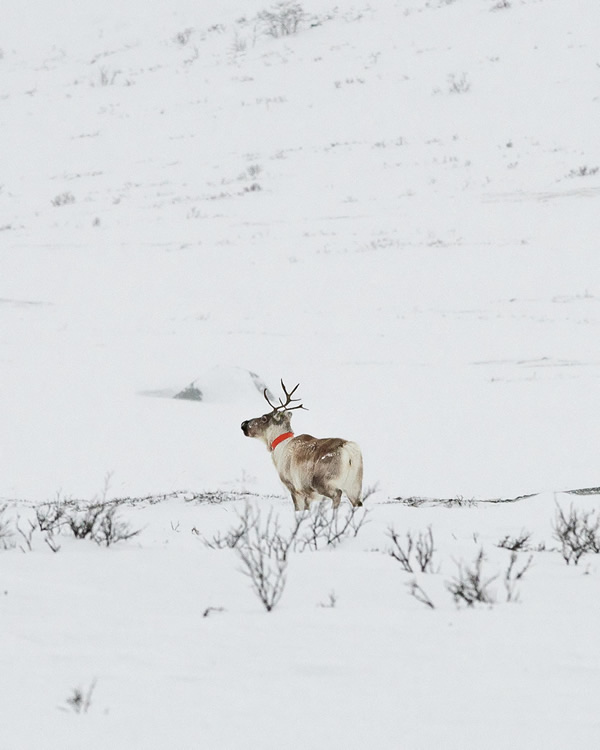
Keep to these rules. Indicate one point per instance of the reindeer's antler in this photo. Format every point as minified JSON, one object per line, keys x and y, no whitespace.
{"x":288,"y":399}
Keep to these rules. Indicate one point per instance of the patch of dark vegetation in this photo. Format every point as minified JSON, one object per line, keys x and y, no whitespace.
{"x":459,"y":502}
{"x":584,"y":171}
{"x":223,"y":496}
{"x":208,"y":497}
{"x":510,"y":499}
{"x":585,"y":491}
{"x":190,"y":393}
{"x":415,"y":501}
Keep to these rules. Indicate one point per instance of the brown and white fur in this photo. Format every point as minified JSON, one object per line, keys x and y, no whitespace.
{"x":309,"y":467}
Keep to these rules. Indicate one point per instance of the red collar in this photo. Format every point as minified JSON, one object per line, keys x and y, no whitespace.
{"x":280,"y":439}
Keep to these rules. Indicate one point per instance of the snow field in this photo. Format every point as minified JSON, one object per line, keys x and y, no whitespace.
{"x":395,"y":207}
{"x":377,"y":667}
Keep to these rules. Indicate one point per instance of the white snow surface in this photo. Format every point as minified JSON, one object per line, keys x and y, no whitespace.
{"x":398,"y":206}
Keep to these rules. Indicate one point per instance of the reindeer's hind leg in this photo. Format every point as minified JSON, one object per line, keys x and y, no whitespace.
{"x":354,"y":479}
{"x":356,"y":501}
{"x":333,"y":493}
{"x":325,"y":482}
{"x":354,"y":493}
{"x":353,"y":488}
{"x":336,"y":497}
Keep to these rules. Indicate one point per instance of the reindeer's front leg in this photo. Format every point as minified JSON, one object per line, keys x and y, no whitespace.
{"x":298,"y":499}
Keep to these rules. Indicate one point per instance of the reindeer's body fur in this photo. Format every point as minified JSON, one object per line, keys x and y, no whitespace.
{"x":309,"y":467}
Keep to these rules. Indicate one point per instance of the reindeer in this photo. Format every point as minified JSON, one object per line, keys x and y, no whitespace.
{"x":309,"y":467}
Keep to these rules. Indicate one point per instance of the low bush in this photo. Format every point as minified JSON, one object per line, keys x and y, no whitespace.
{"x":577,"y":531}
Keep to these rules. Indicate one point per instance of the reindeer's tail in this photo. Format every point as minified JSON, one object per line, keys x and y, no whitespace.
{"x":352,"y":483}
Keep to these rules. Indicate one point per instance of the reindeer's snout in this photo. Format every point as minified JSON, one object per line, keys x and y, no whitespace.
{"x":245,"y":428}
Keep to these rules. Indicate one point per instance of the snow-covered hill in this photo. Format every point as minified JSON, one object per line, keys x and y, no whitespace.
{"x":396,"y":206}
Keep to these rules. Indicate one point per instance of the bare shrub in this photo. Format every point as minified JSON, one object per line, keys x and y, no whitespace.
{"x":512,"y":576}
{"x":324,"y":526}
{"x":51,"y":542}
{"x":578,"y":532}
{"x":319,"y":527}
{"x":238,"y":47}
{"x":267,"y":574}
{"x":583,"y":171}
{"x":516,"y":543}
{"x":84,"y":522}
{"x":263,"y":549}
{"x":371,"y":489}
{"x":6,"y":529}
{"x":419,"y":594}
{"x":80,"y":701}
{"x":470,"y":586}
{"x":182,"y":37}
{"x":277,"y":541}
{"x":50,"y":516}
{"x":458,"y":84}
{"x":111,"y":529}
{"x":424,"y":549}
{"x":253,"y":171}
{"x":331,"y":601}
{"x":264,"y":544}
{"x":422,"y":545}
{"x":100,"y":523}
{"x":63,"y":199}
{"x":26,"y":535}
{"x":283,"y":19}
{"x":247,"y":518}
{"x":108,"y":77}
{"x":401,"y":551}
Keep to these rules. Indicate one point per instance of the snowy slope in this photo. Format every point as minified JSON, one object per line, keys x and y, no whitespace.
{"x":397,"y":207}
{"x":418,"y":258}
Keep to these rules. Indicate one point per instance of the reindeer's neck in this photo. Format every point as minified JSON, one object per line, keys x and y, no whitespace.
{"x":273,"y":433}
{"x":278,"y":453}
{"x":280,"y":439}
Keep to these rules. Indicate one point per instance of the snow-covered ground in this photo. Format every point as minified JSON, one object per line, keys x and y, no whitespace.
{"x":398,"y":206}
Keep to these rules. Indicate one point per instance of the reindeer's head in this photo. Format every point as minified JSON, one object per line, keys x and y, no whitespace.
{"x":276,"y":422}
